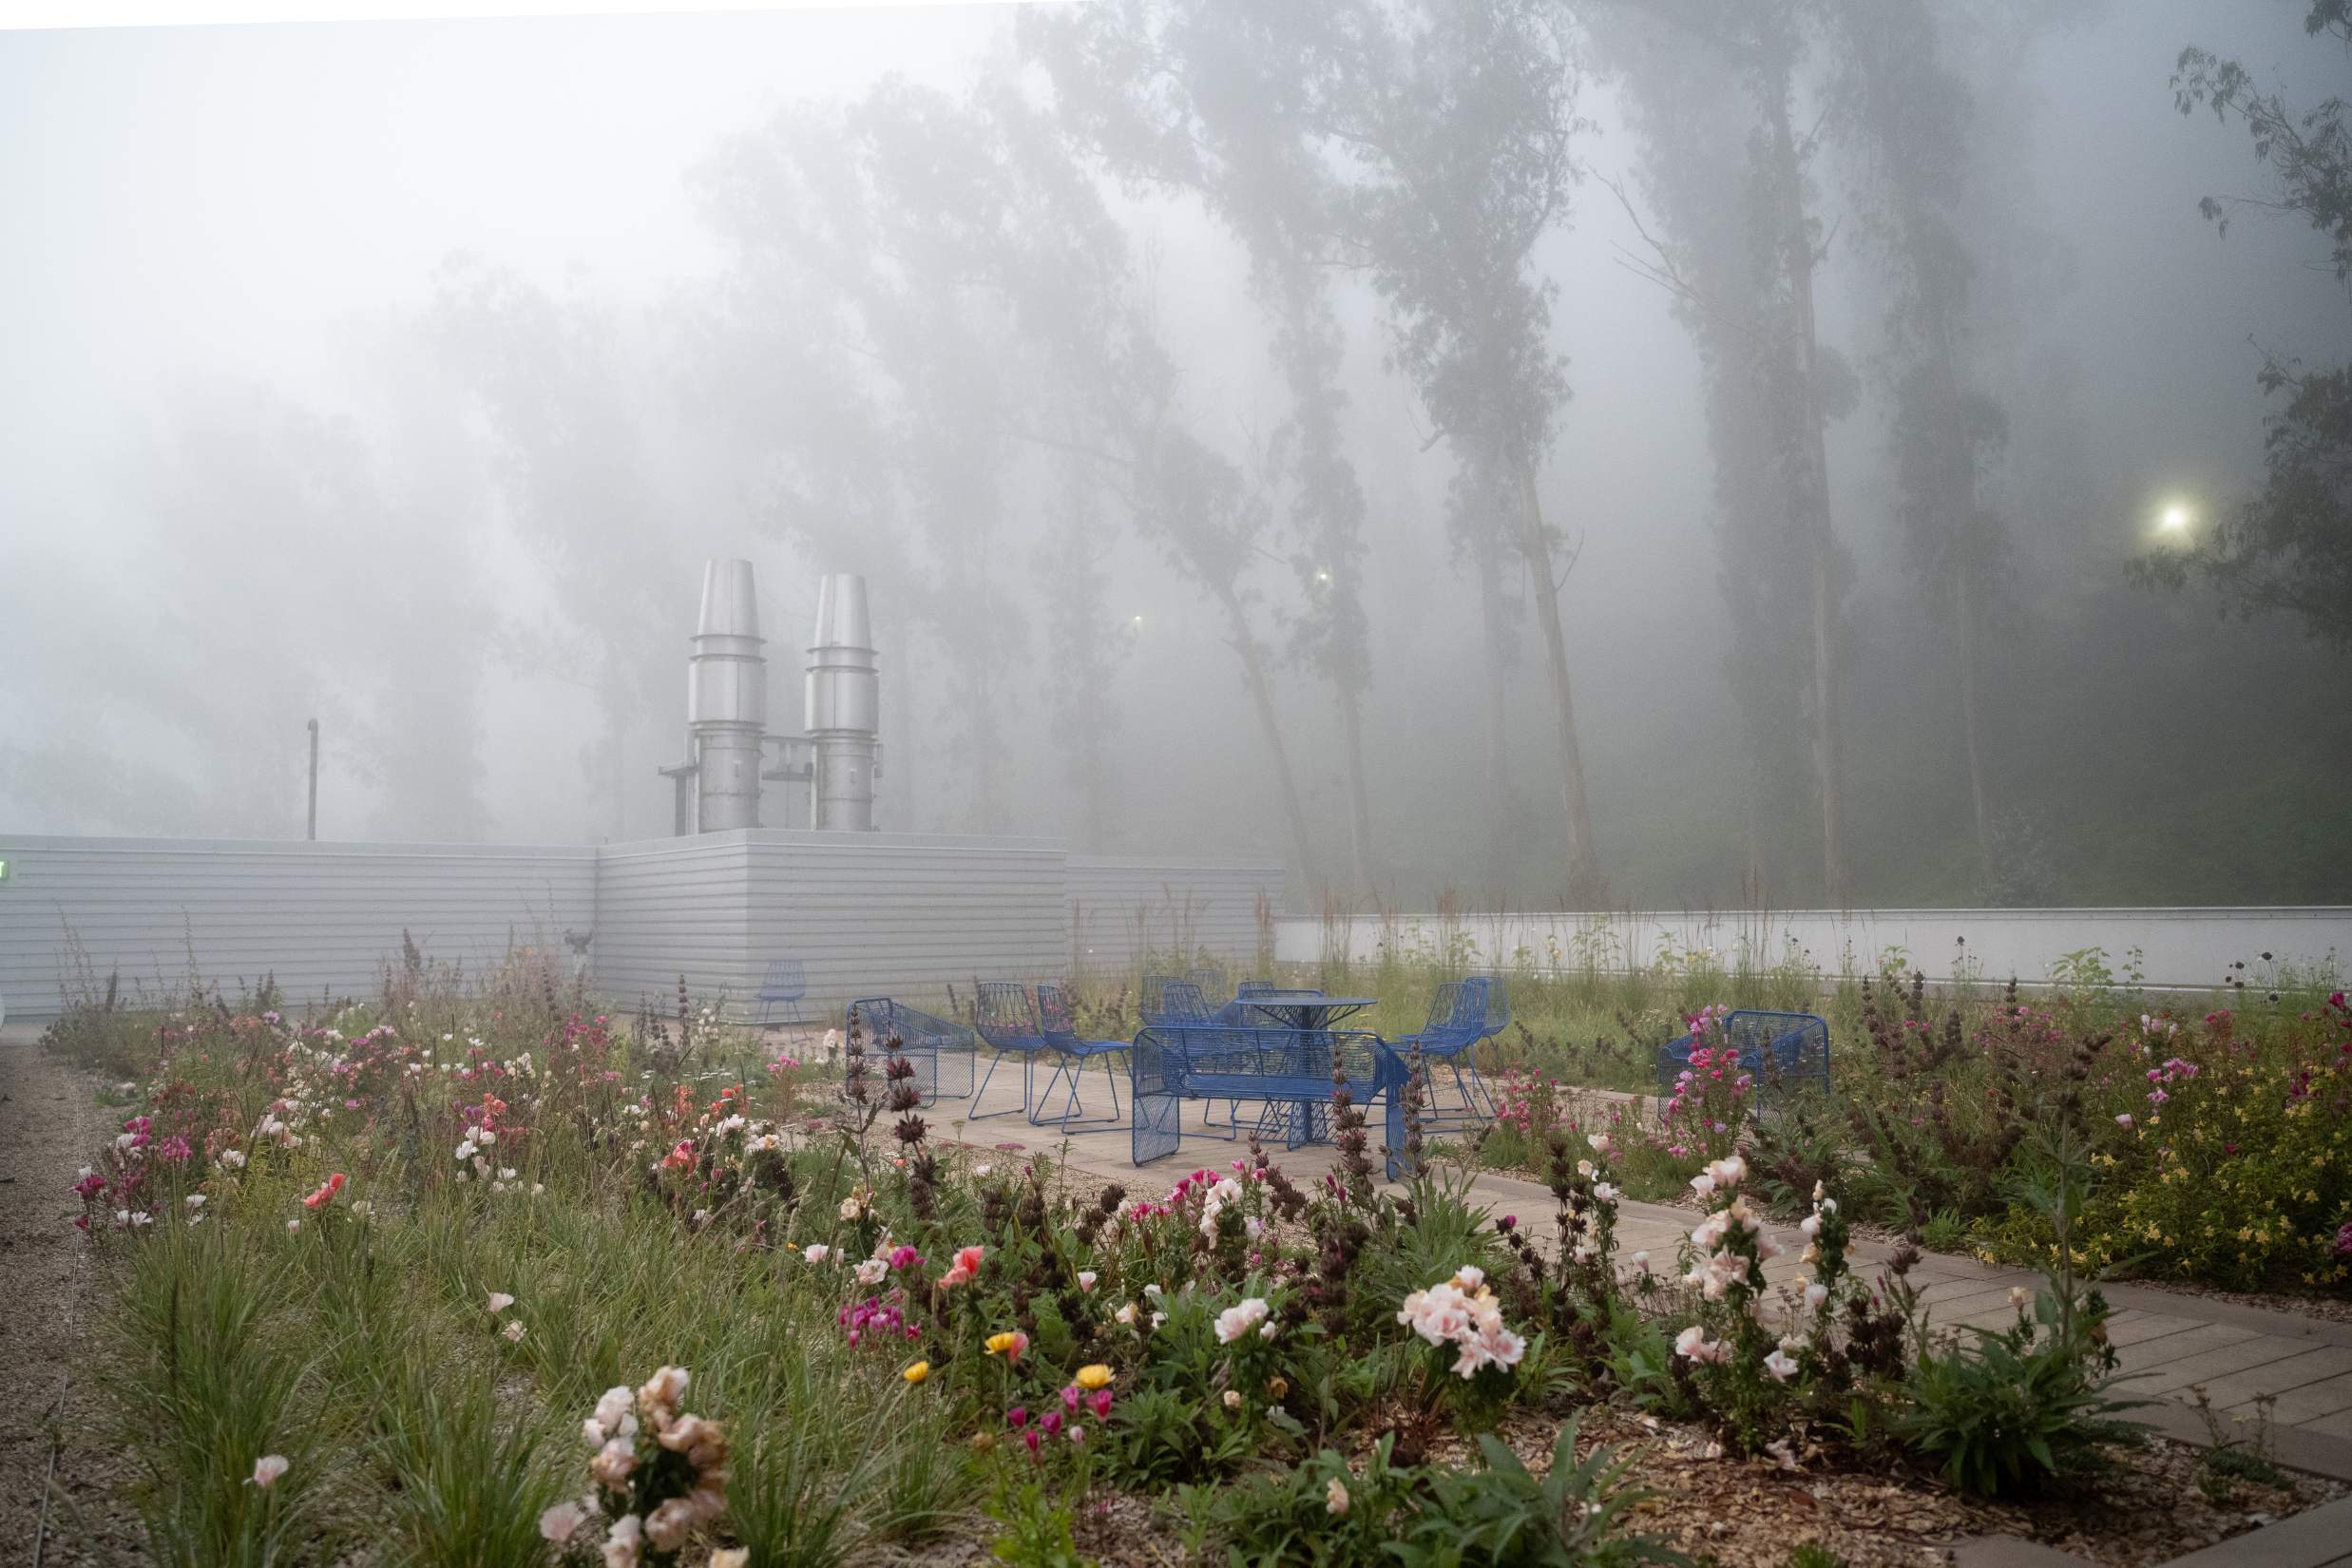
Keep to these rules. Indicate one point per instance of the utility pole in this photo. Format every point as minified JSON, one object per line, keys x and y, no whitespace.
{"x":313,"y":834}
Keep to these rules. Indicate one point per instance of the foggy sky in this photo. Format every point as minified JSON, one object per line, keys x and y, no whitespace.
{"x":207,"y":223}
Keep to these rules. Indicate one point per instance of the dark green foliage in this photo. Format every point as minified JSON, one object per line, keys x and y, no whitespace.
{"x":2013,"y":1413}
{"x":1504,"y":1516}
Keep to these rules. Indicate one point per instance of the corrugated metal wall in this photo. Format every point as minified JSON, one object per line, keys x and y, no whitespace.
{"x":866,"y":913}
{"x":1122,"y":909}
{"x":907,"y":915}
{"x":319,"y":916}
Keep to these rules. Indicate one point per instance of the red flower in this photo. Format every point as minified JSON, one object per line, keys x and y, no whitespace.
{"x":325,"y":1194}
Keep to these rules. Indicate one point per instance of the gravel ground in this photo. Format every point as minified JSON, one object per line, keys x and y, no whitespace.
{"x":49,"y":1122}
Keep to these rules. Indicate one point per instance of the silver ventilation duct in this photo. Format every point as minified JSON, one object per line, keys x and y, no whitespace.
{"x":844,"y":703}
{"x":726,"y":706}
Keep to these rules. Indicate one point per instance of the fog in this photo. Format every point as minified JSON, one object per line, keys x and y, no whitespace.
{"x":1195,"y":428}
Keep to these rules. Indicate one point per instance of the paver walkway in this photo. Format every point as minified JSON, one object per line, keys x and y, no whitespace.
{"x":2174,"y":1343}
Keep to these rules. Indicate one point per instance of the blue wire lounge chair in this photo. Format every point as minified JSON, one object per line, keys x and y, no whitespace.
{"x":1782,"y":1051}
{"x":940,"y":1052}
{"x":1060,"y":1030}
{"x":1460,"y":1014}
{"x":1007,"y":1021}
{"x":785,"y":983}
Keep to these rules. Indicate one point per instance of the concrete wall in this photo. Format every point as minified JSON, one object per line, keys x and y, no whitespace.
{"x":1123,"y":909}
{"x":319,"y":916}
{"x":2182,"y":948}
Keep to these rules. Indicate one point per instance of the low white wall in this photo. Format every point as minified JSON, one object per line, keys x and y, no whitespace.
{"x":1123,"y":909}
{"x":319,"y":916}
{"x":2172,"y":947}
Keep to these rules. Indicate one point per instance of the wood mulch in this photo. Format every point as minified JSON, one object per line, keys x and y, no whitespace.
{"x":50,"y":1124}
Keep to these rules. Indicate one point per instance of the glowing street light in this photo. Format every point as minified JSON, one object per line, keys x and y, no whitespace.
{"x":2175,"y":519}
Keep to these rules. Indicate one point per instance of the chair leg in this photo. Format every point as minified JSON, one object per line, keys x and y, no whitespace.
{"x":981,"y":1088}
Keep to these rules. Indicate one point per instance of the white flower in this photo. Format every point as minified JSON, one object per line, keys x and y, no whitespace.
{"x":537,"y":1188}
{"x":1703,"y":1184}
{"x":1810,"y":1225}
{"x":2019,"y":1298}
{"x":1335,"y":1497}
{"x":1236,"y":1321}
{"x":982,"y":1169}
{"x":816,"y":1252}
{"x":1126,"y":1314}
{"x":505,"y":1173}
{"x":1815,"y":1294}
{"x":2124,"y":1120}
{"x":613,"y":1462}
{"x":621,"y":1545}
{"x":851,"y":1208}
{"x":196,"y":1201}
{"x":1642,"y":1261}
{"x":294,"y":1224}
{"x":267,"y":1469}
{"x":1086,"y":1278}
{"x":500,"y":1301}
{"x":1233,"y":1399}
{"x":667,"y":1526}
{"x":1780,"y":1366}
{"x":513,"y":1331}
{"x":1604,"y":1192}
{"x":1728,"y":1172}
{"x":557,"y":1523}
{"x":612,"y":1407}
{"x":233,"y":1158}
{"x":872,"y":1270}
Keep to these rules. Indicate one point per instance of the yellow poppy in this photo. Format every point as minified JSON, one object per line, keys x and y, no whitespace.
{"x":917,"y":1372}
{"x":1091,"y":1378}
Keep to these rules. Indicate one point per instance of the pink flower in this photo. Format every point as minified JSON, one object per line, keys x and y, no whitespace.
{"x":1102,"y":1396}
{"x":268,"y":1468}
{"x":326,"y":1194}
{"x":964,"y":1269}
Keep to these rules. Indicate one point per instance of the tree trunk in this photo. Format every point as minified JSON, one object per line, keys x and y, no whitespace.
{"x":1260,"y":683}
{"x":1498,"y":720}
{"x":1359,"y":798}
{"x":1964,"y":611}
{"x":1585,"y":882}
{"x":1797,"y":245}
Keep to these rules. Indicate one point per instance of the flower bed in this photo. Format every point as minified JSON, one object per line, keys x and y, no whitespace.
{"x":418,"y":1280}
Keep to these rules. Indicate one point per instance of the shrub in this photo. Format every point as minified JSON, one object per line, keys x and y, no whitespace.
{"x":1501,"y":1515}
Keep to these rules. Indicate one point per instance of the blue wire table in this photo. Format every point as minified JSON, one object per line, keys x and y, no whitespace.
{"x":1311,"y":1014}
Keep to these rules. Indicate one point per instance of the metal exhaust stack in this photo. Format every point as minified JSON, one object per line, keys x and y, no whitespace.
{"x":844,"y":703}
{"x":726,"y":705}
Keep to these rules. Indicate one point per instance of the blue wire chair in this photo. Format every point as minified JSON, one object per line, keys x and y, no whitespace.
{"x":1211,"y":983}
{"x":1061,"y":1031}
{"x":1255,"y":987}
{"x":1782,"y":1051}
{"x":1005,"y":1018}
{"x":940,"y":1052}
{"x":785,"y":985}
{"x":1460,"y":1014}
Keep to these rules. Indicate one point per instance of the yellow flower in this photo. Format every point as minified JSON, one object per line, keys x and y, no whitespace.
{"x":1008,"y":1343}
{"x":1093,"y":1377}
{"x":917,"y":1373}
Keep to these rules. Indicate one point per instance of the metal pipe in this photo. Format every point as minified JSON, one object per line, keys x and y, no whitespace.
{"x":311,"y":833}
{"x":843,"y":700}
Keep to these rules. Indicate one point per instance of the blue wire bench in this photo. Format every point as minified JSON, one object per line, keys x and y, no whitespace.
{"x":1463,"y":1013}
{"x":940,"y":1052}
{"x":1170,"y":1064}
{"x":785,"y":983}
{"x":1779,"y":1051}
{"x":1059,"y":1027}
{"x":1007,"y":1020}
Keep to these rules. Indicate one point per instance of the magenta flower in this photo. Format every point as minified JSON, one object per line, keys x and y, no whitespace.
{"x":1017,"y":1417}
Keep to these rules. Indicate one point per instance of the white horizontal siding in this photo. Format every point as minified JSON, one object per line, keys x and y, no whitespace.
{"x":320,"y":917}
{"x":906,"y":915}
{"x":674,"y":907}
{"x":1122,"y":909}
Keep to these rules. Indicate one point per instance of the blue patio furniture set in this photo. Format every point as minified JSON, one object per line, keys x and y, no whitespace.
{"x":1271,"y":1046}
